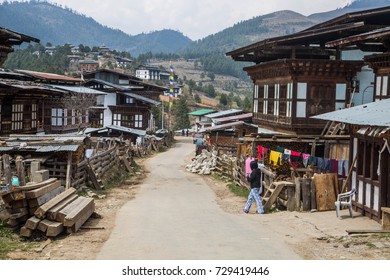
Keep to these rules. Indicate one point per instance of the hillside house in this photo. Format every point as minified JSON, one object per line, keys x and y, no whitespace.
{"x":128,"y":101}
{"x":88,"y":65}
{"x":148,"y":72}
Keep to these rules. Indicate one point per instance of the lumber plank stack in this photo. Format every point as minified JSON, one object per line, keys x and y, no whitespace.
{"x":47,"y":207}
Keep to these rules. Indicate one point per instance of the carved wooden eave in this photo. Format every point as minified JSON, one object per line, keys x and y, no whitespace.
{"x":378,"y":61}
{"x":295,"y":68}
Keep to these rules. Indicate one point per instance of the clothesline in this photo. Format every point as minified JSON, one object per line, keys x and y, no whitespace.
{"x":277,"y":156}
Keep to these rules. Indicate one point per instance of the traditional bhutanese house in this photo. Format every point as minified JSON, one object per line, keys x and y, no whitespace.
{"x":70,"y":106}
{"x":20,"y":105}
{"x":200,"y":118}
{"x":9,"y":38}
{"x":124,"y":106}
{"x":369,"y":153}
{"x":301,"y":75}
{"x":225,"y":137}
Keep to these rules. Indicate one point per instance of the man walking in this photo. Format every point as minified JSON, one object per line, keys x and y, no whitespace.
{"x":256,"y":186}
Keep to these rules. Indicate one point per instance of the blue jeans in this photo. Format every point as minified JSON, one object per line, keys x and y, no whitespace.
{"x":254,"y":195}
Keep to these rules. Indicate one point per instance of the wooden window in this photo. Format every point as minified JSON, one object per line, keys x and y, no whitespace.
{"x":17,"y":117}
{"x":381,"y":87}
{"x":256,"y":100}
{"x":289,"y":99}
{"x":276,"y":100}
{"x":59,"y":117}
{"x":271,"y":96}
{"x":265,"y":107}
{"x":320,"y":99}
{"x":117,"y":119}
{"x":129,"y":100}
{"x":138,"y":121}
{"x":33,"y":115}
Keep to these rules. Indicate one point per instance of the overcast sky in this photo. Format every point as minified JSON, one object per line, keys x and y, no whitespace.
{"x":194,"y":18}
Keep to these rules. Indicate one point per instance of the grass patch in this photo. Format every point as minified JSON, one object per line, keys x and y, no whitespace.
{"x":237,"y":190}
{"x":8,"y":241}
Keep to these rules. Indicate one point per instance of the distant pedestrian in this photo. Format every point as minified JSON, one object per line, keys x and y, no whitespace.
{"x":256,"y":188}
{"x":187,"y":132}
{"x":182,"y":132}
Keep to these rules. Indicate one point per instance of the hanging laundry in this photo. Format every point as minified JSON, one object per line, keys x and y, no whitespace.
{"x":279,"y":149}
{"x":275,"y":158}
{"x":334,"y":165}
{"x":326,"y":164}
{"x":248,"y":169}
{"x":261,"y":152}
{"x":305,"y":159}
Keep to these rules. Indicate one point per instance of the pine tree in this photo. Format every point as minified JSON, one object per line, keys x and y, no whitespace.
{"x":180,"y":112}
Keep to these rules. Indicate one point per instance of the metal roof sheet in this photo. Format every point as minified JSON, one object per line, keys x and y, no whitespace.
{"x":59,"y":148}
{"x":201,"y":112}
{"x":79,"y":89}
{"x":142,"y":98}
{"x":233,"y":118}
{"x":223,"y":113}
{"x":370,"y":114}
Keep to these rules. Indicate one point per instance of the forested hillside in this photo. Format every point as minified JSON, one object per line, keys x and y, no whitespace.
{"x":60,"y":25}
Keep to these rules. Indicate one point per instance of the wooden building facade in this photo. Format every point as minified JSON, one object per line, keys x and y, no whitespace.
{"x":128,"y":101}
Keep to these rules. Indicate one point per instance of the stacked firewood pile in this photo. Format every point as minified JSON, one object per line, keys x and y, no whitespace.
{"x":46,"y":207}
{"x":203,"y":163}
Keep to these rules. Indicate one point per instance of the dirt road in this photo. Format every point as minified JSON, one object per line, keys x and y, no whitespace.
{"x":165,"y":212}
{"x":175,"y":215}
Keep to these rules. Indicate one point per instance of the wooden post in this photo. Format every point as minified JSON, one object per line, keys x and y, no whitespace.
{"x":20,"y":171}
{"x":7,"y":169}
{"x":313,"y":195}
{"x":298,"y":193}
{"x":306,"y":186}
{"x":68,"y":171}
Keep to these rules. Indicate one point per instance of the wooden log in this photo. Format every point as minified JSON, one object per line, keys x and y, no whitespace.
{"x":92,"y":177}
{"x":79,"y":211}
{"x":54,"y":229}
{"x":43,"y":190}
{"x":82,"y":219}
{"x":60,"y":217}
{"x":127,"y":164}
{"x":46,"y":197}
{"x":41,"y":211}
{"x":18,"y":203}
{"x":42,"y":226}
{"x":52,"y":212}
{"x":33,"y":186}
{"x":17,"y":195}
{"x":298,"y":191}
{"x":32,"y":223}
{"x":25,"y":232}
{"x":68,"y":171}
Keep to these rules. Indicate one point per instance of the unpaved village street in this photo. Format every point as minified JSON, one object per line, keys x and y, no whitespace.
{"x":165,"y":212}
{"x":175,"y":215}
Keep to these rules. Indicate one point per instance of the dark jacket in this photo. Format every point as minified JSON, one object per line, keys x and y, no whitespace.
{"x":255,"y":176}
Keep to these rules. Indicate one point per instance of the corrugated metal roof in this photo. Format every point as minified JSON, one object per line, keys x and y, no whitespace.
{"x":142,"y":98}
{"x":232,"y":118}
{"x":49,"y":76}
{"x":118,"y":128}
{"x":223,"y":113}
{"x":371,"y":114}
{"x":127,"y":130}
{"x":201,"y":112}
{"x":54,"y":148}
{"x":224,"y":126}
{"x":79,"y":89}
